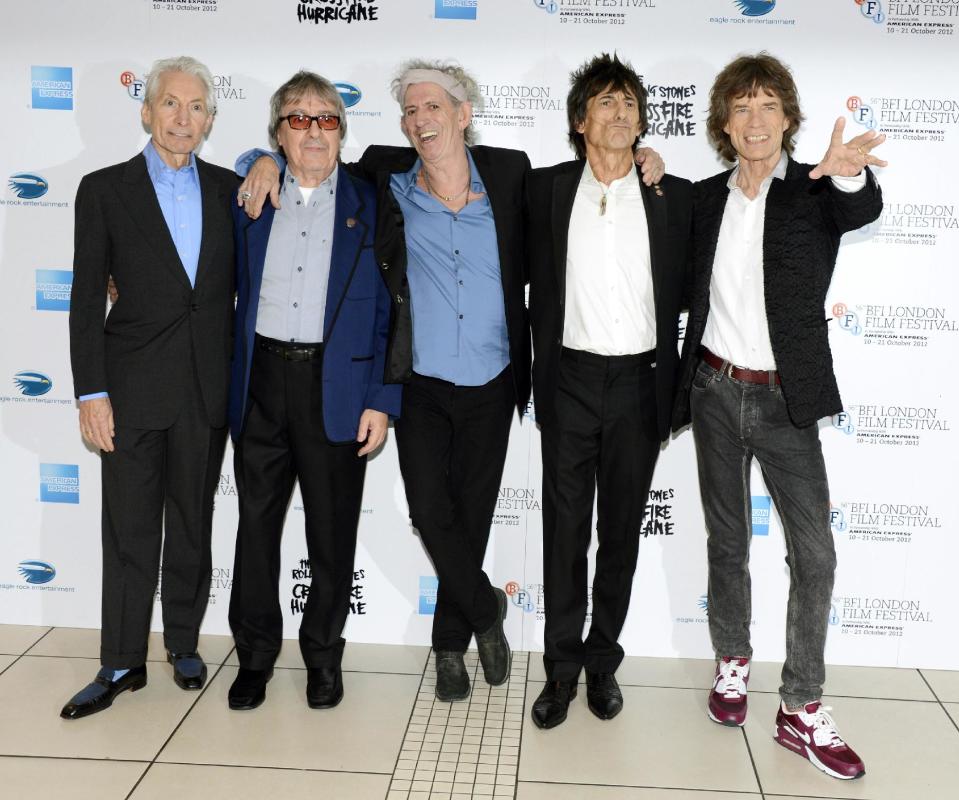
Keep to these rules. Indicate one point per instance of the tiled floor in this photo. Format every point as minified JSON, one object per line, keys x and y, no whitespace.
{"x":390,"y":740}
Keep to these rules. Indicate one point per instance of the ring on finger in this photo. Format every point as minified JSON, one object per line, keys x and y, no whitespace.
{"x":248,"y":195}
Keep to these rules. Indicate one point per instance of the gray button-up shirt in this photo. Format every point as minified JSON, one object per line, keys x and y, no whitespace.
{"x":297,"y":269}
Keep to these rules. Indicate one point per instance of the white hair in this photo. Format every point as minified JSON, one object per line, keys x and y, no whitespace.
{"x":455,"y":71}
{"x":180,"y":64}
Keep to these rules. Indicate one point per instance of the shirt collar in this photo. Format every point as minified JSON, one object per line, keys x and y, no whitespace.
{"x":779,"y":171}
{"x":589,"y":178}
{"x":407,"y":180}
{"x":290,"y":181}
{"x":157,"y":167}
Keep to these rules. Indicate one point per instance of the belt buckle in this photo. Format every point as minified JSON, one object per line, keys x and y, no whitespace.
{"x":728,"y":369}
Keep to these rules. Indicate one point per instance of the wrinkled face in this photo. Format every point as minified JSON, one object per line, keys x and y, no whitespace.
{"x":432,"y":122}
{"x":611,"y":123}
{"x":311,"y":154}
{"x":756,"y":126}
{"x":178,"y":117}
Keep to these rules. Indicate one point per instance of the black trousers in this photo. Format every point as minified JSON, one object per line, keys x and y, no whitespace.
{"x":452,"y":446}
{"x":158,"y":488}
{"x":604,"y":437}
{"x":283,"y":439}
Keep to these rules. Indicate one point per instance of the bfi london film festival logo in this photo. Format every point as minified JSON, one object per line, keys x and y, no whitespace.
{"x":302,"y":575}
{"x":907,"y":119}
{"x":878,"y":424}
{"x":513,"y":503}
{"x":928,"y":19}
{"x":60,"y":483}
{"x":455,"y":9}
{"x":529,"y":598}
{"x":895,"y":325}
{"x":595,"y":12}
{"x":883,"y":523}
{"x":51,"y":88}
{"x":323,"y":12}
{"x":752,"y":12}
{"x":221,"y":580}
{"x":517,"y":105}
{"x":224,"y":88}
{"x":918,"y":223}
{"x":865,"y":615}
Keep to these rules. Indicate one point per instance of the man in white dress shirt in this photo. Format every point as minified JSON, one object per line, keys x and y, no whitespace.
{"x":607,"y":258}
{"x":757,"y":375}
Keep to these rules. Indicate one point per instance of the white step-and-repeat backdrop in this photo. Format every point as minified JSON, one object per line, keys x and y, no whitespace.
{"x":72,"y":78}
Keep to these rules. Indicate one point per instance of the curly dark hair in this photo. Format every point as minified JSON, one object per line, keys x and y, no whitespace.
{"x":748,"y":76}
{"x":602,"y":73}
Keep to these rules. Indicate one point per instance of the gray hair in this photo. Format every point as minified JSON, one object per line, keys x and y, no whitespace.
{"x":180,"y":64}
{"x":301,"y":85}
{"x":454,"y":71}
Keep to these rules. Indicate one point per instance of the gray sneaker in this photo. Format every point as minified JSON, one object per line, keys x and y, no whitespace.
{"x":493,"y":649}
{"x":452,"y":682}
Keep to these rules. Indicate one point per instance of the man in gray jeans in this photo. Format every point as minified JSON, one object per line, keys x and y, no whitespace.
{"x":757,"y":374}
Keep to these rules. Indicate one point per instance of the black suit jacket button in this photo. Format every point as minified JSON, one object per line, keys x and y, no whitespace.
{"x":194,"y":307}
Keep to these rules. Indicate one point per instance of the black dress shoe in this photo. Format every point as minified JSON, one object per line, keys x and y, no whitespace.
{"x":249,"y":689}
{"x":550,"y":708}
{"x":452,"y":682}
{"x":99,"y":695}
{"x":603,"y":696}
{"x":324,"y":687}
{"x":189,"y":671}
{"x":492,"y":647}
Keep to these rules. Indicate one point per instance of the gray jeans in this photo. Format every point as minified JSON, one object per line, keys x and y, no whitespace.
{"x":732,"y":422}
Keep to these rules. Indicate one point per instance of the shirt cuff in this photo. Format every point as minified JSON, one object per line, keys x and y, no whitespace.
{"x":853,"y":184}
{"x":93,"y":396}
{"x":245,"y":161}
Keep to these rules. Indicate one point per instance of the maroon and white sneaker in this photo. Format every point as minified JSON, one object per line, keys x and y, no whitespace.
{"x":812,"y":734}
{"x":727,"y":700}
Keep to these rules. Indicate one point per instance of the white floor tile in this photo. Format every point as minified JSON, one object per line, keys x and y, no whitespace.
{"x":17,"y":639}
{"x":363,"y":733}
{"x":359,"y":657}
{"x":565,"y":791}
{"x":879,"y":682}
{"x":6,"y":661}
{"x":945,"y":683}
{"x":662,"y":738}
{"x":33,"y":691}
{"x":911,"y":750}
{"x":192,"y":782}
{"x":953,"y":710}
{"x":85,"y":643}
{"x":68,"y":778}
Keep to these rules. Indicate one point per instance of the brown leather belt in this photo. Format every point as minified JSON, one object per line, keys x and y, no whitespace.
{"x":761,"y":376}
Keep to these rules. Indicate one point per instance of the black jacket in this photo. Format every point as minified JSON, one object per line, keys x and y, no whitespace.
{"x":805,"y":219}
{"x":551,"y":194}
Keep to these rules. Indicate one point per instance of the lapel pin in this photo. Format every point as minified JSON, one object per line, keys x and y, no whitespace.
{"x":350,"y":222}
{"x":659,"y":191}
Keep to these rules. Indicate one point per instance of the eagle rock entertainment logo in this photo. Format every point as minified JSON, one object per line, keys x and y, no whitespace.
{"x":429,"y":584}
{"x":37,"y":572}
{"x":59,"y":483}
{"x":880,"y":616}
{"x":351,"y":95}
{"x":908,"y":119}
{"x":892,"y":425}
{"x":455,"y":9}
{"x":28,"y":186}
{"x":752,"y":12}
{"x":895,"y":325}
{"x":32,"y":384}
{"x":700,"y":618}
{"x":929,"y":18}
{"x":914,"y":223}
{"x":348,"y":11}
{"x":885,"y":523}
{"x":53,"y":288}
{"x":594,"y":12}
{"x":52,"y":88}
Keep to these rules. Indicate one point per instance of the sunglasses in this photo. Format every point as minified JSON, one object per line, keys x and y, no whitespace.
{"x":302,"y":122}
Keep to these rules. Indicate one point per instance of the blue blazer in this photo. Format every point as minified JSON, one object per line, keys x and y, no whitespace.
{"x":356,"y":322}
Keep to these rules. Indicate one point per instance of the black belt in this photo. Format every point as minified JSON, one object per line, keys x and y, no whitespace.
{"x":290,"y":351}
{"x":760,"y":376}
{"x":646,"y":359}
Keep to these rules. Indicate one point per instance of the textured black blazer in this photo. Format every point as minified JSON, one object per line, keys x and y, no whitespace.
{"x":551,"y":194}
{"x":504,"y":174}
{"x":161,"y":331}
{"x":805,"y":219}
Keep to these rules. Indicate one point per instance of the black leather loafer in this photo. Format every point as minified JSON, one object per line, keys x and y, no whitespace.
{"x":452,"y":682}
{"x":324,"y":687}
{"x":189,"y":671}
{"x":492,"y":647}
{"x":550,"y":708}
{"x":603,"y":696}
{"x":99,"y":695}
{"x":249,"y":689}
